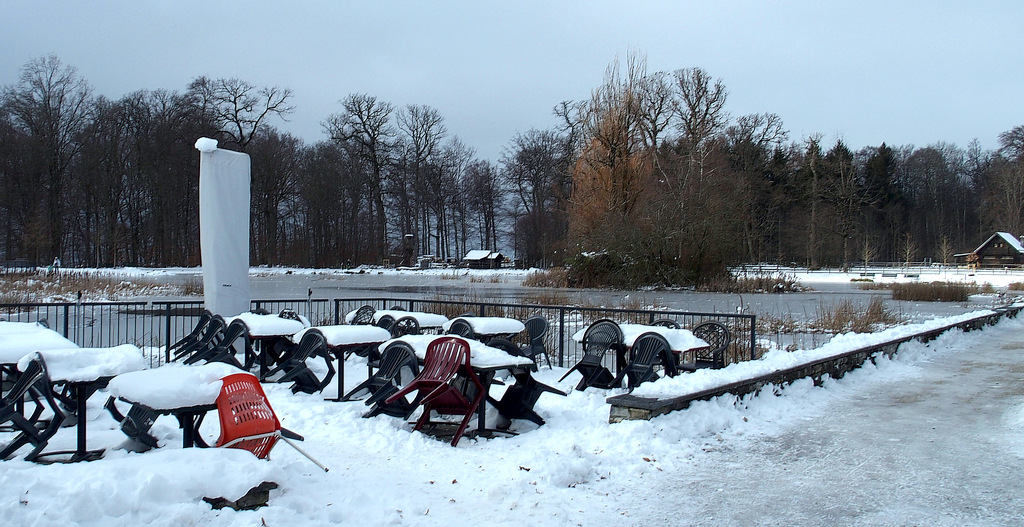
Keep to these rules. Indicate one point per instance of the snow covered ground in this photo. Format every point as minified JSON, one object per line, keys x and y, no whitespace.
{"x":934,"y":436}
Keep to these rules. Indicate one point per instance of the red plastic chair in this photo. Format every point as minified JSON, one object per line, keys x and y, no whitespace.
{"x":447,"y":358}
{"x":246,"y":419}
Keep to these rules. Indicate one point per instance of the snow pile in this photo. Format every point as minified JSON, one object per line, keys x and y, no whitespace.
{"x":206,"y":145}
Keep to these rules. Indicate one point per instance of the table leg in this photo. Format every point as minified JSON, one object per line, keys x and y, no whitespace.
{"x":340,"y":354}
{"x":188,"y":428}
{"x":79,"y":390}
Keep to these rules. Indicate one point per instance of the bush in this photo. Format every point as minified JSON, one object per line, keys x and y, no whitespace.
{"x":611,"y":270}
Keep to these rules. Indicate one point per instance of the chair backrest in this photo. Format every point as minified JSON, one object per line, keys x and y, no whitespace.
{"x":246,"y":419}
{"x":601,"y":336}
{"x":718,"y":338}
{"x":203,"y":347}
{"x":648,"y":349}
{"x":386,"y":322}
{"x":461,"y":328}
{"x":536,"y":329}
{"x":34,"y":384}
{"x":237,"y":329}
{"x":193,"y":335}
{"x":445,"y":356}
{"x":666,"y":323}
{"x":394,"y":357}
{"x":364,"y":315}
{"x":312,"y":343}
{"x":405,"y":326}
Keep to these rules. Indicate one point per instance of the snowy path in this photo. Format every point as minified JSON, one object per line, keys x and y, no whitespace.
{"x":938,"y":444}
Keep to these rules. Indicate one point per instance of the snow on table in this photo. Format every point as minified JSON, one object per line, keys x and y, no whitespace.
{"x":173,"y":385}
{"x":480,"y":354}
{"x":348,"y":334}
{"x":19,"y":338}
{"x":269,"y":325}
{"x":88,"y":364}
{"x":491,"y":325}
{"x":678,"y":339}
{"x":424,"y":319}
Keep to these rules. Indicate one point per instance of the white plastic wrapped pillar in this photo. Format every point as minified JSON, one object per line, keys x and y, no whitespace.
{"x":224,"y":228}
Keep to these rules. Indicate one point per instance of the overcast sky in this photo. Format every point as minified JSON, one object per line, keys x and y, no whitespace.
{"x":867,"y":72}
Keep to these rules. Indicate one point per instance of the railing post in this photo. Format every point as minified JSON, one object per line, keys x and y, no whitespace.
{"x":67,"y":312}
{"x":753,"y":337}
{"x":167,"y":327}
{"x":337,"y":311}
{"x":561,"y":337}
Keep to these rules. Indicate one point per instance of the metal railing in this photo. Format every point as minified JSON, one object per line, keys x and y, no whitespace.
{"x":154,"y":326}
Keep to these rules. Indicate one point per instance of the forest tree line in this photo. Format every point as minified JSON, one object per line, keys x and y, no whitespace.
{"x":650,"y":181}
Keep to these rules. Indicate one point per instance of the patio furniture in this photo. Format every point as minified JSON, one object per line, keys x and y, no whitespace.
{"x":398,"y":366}
{"x":648,"y":350}
{"x":519,"y":399}
{"x":347,"y":339}
{"x":484,"y":328}
{"x":447,"y":358}
{"x":294,"y":368}
{"x":248,"y":422}
{"x":31,"y":429}
{"x":82,"y":371}
{"x":186,"y":344}
{"x":461,"y":328}
{"x":600,"y":338}
{"x":204,"y":347}
{"x":386,"y":321}
{"x":536,"y":329}
{"x":407,"y":325}
{"x":667,"y":323}
{"x":717,"y":337}
{"x":269,"y":336}
{"x":225,"y":351}
{"x":186,"y":392}
{"x":363,"y":315}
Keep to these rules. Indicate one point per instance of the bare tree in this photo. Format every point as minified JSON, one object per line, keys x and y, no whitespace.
{"x":366,"y":122}
{"x":700,"y":106}
{"x":240,"y":107}
{"x":422,"y":129}
{"x":51,"y":103}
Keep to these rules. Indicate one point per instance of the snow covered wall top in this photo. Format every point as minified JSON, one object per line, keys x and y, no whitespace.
{"x":224,"y":227}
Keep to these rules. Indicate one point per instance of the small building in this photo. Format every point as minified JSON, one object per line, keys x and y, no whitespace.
{"x":481,"y":259}
{"x":1002,"y":249}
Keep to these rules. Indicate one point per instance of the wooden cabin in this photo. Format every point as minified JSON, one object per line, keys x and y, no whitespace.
{"x":480,"y":259}
{"x":1002,"y":249}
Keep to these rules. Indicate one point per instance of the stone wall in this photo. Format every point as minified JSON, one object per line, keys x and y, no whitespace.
{"x":632,"y":407}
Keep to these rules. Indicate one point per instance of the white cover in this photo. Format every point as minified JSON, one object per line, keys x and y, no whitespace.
{"x":224,"y":228}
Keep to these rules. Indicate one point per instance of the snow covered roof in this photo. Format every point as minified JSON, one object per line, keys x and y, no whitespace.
{"x":479,"y":254}
{"x":1009,"y":238}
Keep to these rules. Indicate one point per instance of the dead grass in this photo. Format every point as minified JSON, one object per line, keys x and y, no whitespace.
{"x":846,"y":316}
{"x":65,"y":286}
{"x":554,"y":277}
{"x":933,"y":291}
{"x":1016,"y":286}
{"x":756,"y":283}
